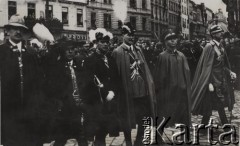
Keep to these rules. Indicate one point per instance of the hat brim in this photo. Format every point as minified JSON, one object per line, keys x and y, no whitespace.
{"x":172,"y":36}
{"x":16,"y":25}
{"x":217,"y":31}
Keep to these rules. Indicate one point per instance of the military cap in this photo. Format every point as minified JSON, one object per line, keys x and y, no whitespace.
{"x":215,"y":29}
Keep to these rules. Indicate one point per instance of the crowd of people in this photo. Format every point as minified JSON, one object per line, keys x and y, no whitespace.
{"x":78,"y":93}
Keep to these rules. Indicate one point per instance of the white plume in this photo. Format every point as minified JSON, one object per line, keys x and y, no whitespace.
{"x":92,"y":36}
{"x":120,"y":10}
{"x":102,"y":30}
{"x":1,"y":36}
{"x":42,"y":33}
{"x":92,"y":33}
{"x":110,"y":35}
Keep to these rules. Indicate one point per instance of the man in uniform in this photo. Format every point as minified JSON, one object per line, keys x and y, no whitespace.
{"x":211,"y":83}
{"x":172,"y":80}
{"x":104,"y":69}
{"x":20,"y":87}
{"x":136,"y":88}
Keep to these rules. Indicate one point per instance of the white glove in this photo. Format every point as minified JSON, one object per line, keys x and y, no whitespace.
{"x":210,"y":87}
{"x":233,"y":75}
{"x":110,"y":95}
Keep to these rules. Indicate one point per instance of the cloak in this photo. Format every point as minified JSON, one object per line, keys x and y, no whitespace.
{"x":172,"y":80}
{"x":200,"y":94}
{"x":125,"y":106}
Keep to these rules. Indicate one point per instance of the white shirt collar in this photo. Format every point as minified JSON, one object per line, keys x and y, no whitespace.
{"x":19,"y":45}
{"x":127,"y":45}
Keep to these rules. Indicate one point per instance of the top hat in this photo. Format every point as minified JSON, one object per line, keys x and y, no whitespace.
{"x":16,"y":21}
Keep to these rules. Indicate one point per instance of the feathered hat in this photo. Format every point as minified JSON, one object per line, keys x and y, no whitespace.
{"x":100,"y":34}
{"x":127,"y":28}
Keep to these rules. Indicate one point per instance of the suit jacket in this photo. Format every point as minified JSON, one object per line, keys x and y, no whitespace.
{"x":12,"y":102}
{"x":20,"y":108}
{"x":105,"y":72}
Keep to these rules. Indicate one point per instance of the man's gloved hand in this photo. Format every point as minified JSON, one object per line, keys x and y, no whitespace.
{"x":110,"y":95}
{"x":233,"y":75}
{"x":210,"y":87}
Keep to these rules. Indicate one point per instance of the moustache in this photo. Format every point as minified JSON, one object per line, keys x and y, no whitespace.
{"x":18,"y":35}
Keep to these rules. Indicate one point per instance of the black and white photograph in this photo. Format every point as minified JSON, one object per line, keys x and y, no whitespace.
{"x":119,"y":72}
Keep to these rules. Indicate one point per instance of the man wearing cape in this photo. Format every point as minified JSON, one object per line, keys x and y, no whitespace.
{"x":172,"y":81}
{"x":211,"y":87}
{"x":136,"y":95}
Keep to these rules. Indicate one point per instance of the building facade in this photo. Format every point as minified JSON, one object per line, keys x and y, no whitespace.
{"x":100,"y":13}
{"x":197,"y":20}
{"x":174,"y":14}
{"x":159,"y":18}
{"x":71,"y":13}
{"x":184,"y":17}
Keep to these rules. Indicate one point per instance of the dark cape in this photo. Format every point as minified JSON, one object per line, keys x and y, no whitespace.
{"x":200,"y":94}
{"x":125,"y":101}
{"x":172,"y":80}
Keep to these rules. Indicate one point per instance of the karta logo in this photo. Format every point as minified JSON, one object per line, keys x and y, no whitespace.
{"x":152,"y":132}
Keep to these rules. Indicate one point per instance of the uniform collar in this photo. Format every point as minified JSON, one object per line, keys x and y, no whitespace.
{"x":126,"y":46}
{"x":18,"y":45}
{"x":172,"y":51}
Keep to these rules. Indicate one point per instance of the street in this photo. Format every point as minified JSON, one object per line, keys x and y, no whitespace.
{"x":119,"y":141}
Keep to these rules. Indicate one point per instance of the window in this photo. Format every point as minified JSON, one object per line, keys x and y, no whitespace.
{"x":31,"y":10}
{"x":107,"y":21}
{"x":133,"y":21}
{"x":152,"y":26}
{"x":132,"y":3}
{"x":12,"y":8}
{"x":152,"y":11}
{"x":65,"y":15}
{"x":156,"y":13}
{"x":93,"y":20}
{"x":144,"y":20}
{"x":120,"y":24}
{"x":50,"y":11}
{"x":144,"y":4}
{"x":156,"y":26}
{"x":107,"y":1}
{"x":80,"y":17}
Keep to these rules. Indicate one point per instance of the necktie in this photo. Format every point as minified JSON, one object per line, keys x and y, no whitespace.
{"x":106,"y":61}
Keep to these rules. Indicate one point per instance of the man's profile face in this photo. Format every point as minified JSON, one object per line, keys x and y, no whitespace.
{"x":16,"y":33}
{"x":128,"y":39}
{"x":218,"y":36}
